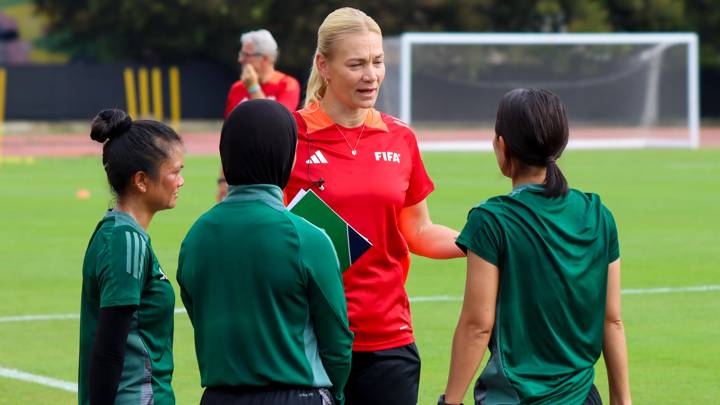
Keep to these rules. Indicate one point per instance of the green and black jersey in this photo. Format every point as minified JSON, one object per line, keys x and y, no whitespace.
{"x":264,"y":292}
{"x":553,"y":256}
{"x":120,"y":268}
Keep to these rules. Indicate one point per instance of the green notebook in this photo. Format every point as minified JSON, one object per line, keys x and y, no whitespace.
{"x":349,"y":243}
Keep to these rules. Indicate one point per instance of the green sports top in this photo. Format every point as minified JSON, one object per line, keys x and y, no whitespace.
{"x":553,"y":256}
{"x":264,"y":292}
{"x":120,"y":268}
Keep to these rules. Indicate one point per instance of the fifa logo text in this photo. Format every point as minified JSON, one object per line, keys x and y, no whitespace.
{"x":387,"y":157}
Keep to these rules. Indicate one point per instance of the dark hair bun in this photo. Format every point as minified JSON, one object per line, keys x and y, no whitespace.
{"x":109,"y":124}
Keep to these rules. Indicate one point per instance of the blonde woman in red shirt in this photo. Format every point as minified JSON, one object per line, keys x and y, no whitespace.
{"x":366,"y":165}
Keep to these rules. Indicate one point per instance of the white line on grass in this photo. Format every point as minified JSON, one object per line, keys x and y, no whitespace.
{"x":695,"y":165}
{"x":429,"y":298}
{"x":629,"y":291}
{"x":28,"y":318}
{"x":700,"y":288}
{"x":72,"y":387}
{"x":38,"y":379}
{"x":436,"y":298}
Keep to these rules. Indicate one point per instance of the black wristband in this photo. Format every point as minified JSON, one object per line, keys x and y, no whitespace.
{"x":441,"y":401}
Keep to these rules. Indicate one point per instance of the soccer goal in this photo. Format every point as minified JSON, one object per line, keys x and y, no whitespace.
{"x":621,"y":90}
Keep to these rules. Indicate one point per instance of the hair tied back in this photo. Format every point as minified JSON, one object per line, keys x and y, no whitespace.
{"x":110,"y":124}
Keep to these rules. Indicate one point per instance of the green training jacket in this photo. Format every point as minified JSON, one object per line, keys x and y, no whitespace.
{"x":264,"y":293}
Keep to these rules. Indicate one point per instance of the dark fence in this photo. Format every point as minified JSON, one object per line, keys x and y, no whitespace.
{"x":710,"y":93}
{"x":78,"y":91}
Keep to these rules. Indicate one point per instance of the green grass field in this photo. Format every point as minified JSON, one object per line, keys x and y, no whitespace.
{"x":666,"y":203}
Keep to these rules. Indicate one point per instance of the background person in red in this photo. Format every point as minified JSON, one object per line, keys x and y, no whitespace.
{"x":366,"y":165}
{"x":258,"y":80}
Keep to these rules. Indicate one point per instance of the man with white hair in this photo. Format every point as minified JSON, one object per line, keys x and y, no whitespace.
{"x":259,"y":78}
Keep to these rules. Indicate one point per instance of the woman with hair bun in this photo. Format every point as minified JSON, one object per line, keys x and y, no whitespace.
{"x":127,"y":305}
{"x":543,"y":282}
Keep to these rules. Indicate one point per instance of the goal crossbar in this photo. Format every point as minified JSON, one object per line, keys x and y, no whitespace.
{"x":407,"y":41}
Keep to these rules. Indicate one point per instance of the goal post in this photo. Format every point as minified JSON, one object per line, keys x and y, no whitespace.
{"x":622,"y":90}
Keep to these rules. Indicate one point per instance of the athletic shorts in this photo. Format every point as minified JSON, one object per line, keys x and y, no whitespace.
{"x":389,"y":376}
{"x":269,"y":396}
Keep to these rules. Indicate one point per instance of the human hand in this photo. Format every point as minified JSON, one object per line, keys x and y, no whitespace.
{"x":249,"y":76}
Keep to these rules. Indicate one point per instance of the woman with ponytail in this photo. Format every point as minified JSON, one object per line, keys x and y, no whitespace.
{"x":127,"y":305}
{"x":543,"y":282}
{"x":366,"y":166}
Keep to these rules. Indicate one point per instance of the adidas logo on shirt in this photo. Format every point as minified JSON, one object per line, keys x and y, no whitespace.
{"x":316,"y":158}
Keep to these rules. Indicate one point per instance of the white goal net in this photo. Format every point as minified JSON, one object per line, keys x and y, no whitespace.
{"x":621,"y":90}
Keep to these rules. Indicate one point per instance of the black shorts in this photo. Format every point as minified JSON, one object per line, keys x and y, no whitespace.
{"x":269,"y":396}
{"x":389,"y":376}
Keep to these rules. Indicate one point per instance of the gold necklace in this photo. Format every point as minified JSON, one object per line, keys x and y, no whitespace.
{"x":353,"y":150}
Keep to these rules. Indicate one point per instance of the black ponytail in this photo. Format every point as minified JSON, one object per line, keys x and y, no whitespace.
{"x":131,"y":146}
{"x":534,"y":125}
{"x":555,"y":182}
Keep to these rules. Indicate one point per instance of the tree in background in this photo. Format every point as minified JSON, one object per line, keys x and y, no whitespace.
{"x":172,"y":31}
{"x":150,"y":32}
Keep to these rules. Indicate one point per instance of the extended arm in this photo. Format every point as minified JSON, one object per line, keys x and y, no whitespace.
{"x":614,"y":346}
{"x":108,"y":353}
{"x":425,"y":238}
{"x":474,"y":328}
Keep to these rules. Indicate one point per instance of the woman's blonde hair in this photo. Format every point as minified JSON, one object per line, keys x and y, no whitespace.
{"x":339,"y":23}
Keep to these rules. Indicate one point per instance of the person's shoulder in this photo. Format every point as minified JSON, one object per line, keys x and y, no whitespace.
{"x":203,"y":223}
{"x":398,"y":128}
{"x":585,"y":195}
{"x":311,"y":118}
{"x":117,"y":237}
{"x":486,"y":215}
{"x":300,"y":121}
{"x":237,"y":86}
{"x":493,"y":203}
{"x":494,"y":210}
{"x":589,"y":198}
{"x":301,"y":113}
{"x":592,"y":201}
{"x":104,"y":232}
{"x":206,"y":217}
{"x":395,"y":124}
{"x":119,"y":225}
{"x":287,"y":79}
{"x":491,"y":206}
